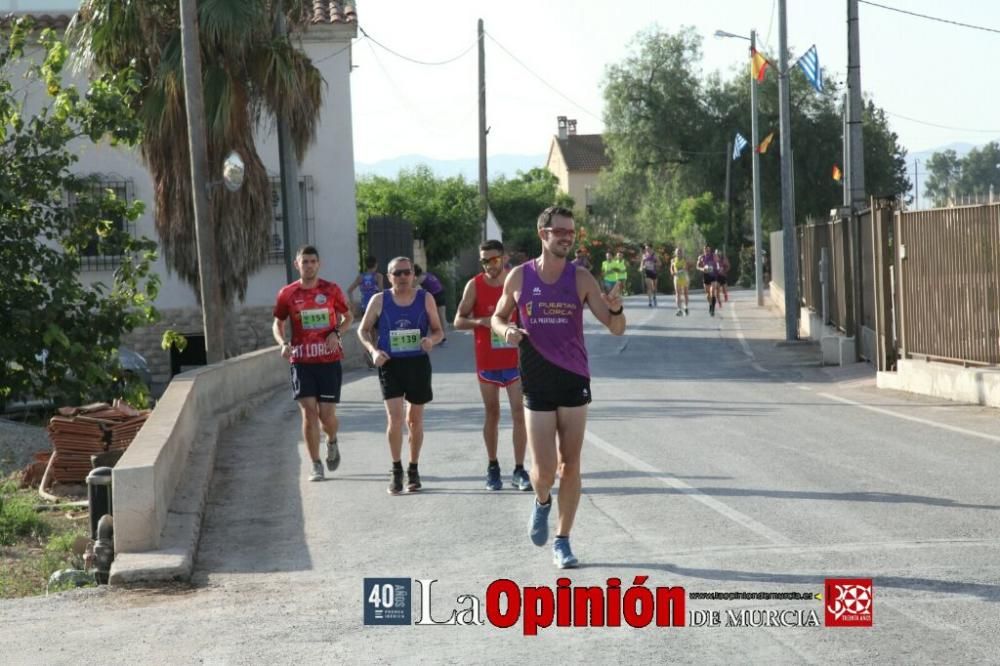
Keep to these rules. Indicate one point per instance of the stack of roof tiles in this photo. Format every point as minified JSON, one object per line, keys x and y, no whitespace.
{"x":80,"y":432}
{"x":334,"y":11}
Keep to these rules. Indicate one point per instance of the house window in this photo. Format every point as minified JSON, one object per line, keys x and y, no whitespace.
{"x":276,"y":252}
{"x":93,"y":257}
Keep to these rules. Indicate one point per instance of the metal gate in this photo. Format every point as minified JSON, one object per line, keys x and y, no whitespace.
{"x":386,"y":238}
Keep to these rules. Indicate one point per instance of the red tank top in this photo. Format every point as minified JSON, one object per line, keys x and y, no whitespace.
{"x":492,"y":353}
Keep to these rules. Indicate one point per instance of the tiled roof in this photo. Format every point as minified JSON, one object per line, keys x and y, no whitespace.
{"x":42,"y":21}
{"x":333,"y":11}
{"x":583,"y":152}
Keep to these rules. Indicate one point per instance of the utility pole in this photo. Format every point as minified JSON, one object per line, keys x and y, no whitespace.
{"x":856,"y":167}
{"x":291,"y":204}
{"x":729,"y":197}
{"x":483,"y":194}
{"x":758,"y":233}
{"x":787,"y":186}
{"x":211,"y":298}
{"x":916,"y":184}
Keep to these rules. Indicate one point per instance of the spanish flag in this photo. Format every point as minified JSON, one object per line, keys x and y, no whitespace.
{"x":758,"y":65}
{"x":836,"y":173}
{"x":762,"y":148}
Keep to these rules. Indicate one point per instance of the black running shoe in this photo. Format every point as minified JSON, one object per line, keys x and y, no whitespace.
{"x":395,"y":482}
{"x":413,"y":480}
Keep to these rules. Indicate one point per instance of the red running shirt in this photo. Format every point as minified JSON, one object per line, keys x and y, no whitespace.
{"x":492,"y":353}
{"x":314,"y":314}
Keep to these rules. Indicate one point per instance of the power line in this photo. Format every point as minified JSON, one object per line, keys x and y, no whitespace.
{"x":924,"y":122}
{"x":414,"y":60}
{"x":930,"y":18}
{"x":337,"y":52}
{"x":546,"y":83}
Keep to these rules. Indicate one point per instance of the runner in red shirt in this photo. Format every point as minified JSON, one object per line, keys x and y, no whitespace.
{"x":496,"y":362}
{"x":320,"y":316}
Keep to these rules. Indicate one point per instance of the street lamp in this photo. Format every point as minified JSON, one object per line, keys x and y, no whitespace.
{"x":758,"y":269}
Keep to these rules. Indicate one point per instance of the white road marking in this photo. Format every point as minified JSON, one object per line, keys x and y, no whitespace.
{"x":915,"y":419}
{"x":670,"y":481}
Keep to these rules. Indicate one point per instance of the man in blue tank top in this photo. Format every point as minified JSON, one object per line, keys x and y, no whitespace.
{"x":369,"y":282}
{"x":549,"y":294}
{"x":399,"y":329}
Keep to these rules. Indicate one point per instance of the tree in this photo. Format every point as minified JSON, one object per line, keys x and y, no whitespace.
{"x":517,"y":202}
{"x":60,"y":336}
{"x":668,"y":128}
{"x":944,"y":170}
{"x":248,"y":76}
{"x":444,"y":212}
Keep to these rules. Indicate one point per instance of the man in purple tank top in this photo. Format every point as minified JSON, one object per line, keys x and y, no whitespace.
{"x":549,"y":294}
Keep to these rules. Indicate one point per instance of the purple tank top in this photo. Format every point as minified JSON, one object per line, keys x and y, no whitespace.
{"x":553,"y":316}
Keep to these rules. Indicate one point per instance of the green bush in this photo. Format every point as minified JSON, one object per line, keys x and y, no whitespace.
{"x":18,"y":517}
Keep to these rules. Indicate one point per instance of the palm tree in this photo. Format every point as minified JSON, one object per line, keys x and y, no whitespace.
{"x":249,"y":76}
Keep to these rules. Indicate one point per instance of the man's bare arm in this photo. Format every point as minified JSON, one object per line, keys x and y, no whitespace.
{"x":603,"y":305}
{"x":464,"y":321}
{"x":366,"y":330}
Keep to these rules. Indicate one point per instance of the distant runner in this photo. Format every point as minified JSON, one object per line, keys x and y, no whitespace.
{"x":678,"y":268}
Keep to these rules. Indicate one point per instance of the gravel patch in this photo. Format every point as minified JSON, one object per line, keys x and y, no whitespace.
{"x":17,"y":444}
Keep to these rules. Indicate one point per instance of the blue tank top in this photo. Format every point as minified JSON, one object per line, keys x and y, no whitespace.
{"x":369,"y":287}
{"x":400,"y":328}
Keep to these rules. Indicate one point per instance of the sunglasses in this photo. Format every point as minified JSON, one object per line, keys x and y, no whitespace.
{"x":561,"y":233}
{"x":492,"y":261}
{"x":401,"y":272}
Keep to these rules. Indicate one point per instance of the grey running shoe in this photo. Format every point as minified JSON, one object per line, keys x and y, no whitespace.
{"x":562,"y":556}
{"x":679,"y":313}
{"x":521,"y":480}
{"x":493,"y":480}
{"x":538,"y":526}
{"x":413,"y":480}
{"x":317,"y":473}
{"x":332,"y":454}
{"x":395,"y":482}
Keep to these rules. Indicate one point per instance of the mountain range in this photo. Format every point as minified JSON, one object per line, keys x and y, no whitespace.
{"x":497,"y":165}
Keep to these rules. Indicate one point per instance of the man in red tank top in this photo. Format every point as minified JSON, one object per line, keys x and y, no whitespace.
{"x":496,"y":363}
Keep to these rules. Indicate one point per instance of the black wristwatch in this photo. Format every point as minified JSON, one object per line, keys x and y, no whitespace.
{"x":615,"y":313}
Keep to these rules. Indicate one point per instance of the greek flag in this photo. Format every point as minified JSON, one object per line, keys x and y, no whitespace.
{"x":739,"y":143}
{"x":809,"y":62}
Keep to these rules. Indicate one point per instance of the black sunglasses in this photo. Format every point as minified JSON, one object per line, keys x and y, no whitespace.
{"x":401,"y":271}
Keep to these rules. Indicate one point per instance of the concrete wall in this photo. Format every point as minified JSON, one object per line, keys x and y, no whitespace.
{"x":978,"y":386}
{"x":145,"y":479}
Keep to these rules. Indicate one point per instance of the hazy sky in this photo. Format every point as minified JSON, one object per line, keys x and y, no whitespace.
{"x":933,"y":72}
{"x":917,"y":69}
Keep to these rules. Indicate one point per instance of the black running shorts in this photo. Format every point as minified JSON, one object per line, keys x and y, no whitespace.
{"x":408,"y":377}
{"x":317,"y":380}
{"x":708,"y":279}
{"x":550,"y":401}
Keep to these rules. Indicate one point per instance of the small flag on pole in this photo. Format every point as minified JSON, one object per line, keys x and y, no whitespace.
{"x":739,"y":143}
{"x":758,"y":65}
{"x":762,"y":148}
{"x":836,"y":173}
{"x":809,"y":63}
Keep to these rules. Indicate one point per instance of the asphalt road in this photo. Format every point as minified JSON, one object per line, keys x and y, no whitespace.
{"x":717,"y":460}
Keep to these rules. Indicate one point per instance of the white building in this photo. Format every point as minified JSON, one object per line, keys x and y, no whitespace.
{"x":327,"y":183}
